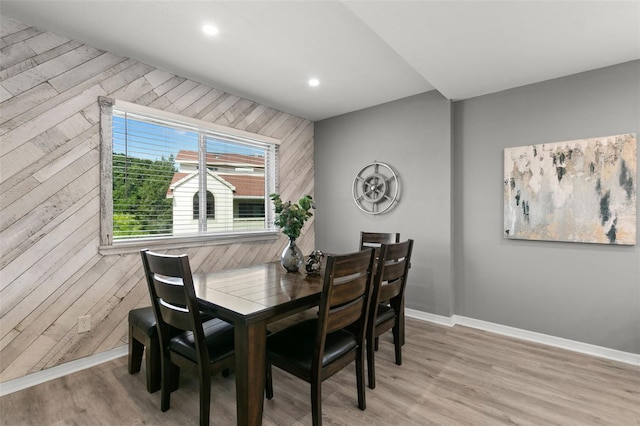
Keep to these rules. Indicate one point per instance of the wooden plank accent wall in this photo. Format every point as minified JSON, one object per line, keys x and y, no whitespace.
{"x":51,"y":271}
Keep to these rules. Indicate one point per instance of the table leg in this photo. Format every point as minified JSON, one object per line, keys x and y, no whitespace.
{"x":250,"y":346}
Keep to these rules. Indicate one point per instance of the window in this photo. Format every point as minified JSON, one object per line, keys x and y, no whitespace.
{"x":250,"y":209}
{"x":156,"y":164}
{"x":211,"y":209}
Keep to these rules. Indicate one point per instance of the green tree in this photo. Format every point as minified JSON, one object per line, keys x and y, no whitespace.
{"x":140,"y":203}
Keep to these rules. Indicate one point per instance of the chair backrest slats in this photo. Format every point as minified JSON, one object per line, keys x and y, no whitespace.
{"x":175,"y":317}
{"x":173,"y":298}
{"x":392,"y":280}
{"x":345,"y":295}
{"x":396,"y":253}
{"x":376,"y":239}
{"x":346,"y":292}
{"x":391,"y":271}
{"x":169,"y":266}
{"x":170,"y":290}
{"x":344,"y":315}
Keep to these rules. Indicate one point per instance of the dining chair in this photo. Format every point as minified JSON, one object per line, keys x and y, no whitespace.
{"x":318,"y":348}
{"x":185,"y":340}
{"x":387,"y":301}
{"x":375,"y":239}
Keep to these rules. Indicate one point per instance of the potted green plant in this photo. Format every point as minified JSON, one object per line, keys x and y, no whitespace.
{"x":290,"y":217}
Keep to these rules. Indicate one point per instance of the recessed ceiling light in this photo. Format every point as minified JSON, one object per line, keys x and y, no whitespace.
{"x":313,"y":82}
{"x":209,"y":29}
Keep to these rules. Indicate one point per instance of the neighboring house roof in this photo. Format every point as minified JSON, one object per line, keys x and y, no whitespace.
{"x":185,"y":156}
{"x":177,"y":181}
{"x":176,"y":177}
{"x":246,"y":185}
{"x":241,"y":185}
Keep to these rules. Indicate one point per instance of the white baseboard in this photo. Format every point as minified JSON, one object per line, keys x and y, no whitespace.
{"x":531,"y":336}
{"x":33,"y":379}
{"x":425,"y":316}
{"x":39,"y":377}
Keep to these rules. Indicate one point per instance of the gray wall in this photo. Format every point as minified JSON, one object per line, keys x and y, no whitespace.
{"x":584,"y":292}
{"x":413,"y":136}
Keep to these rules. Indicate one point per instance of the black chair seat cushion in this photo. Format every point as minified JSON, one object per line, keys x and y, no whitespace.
{"x":385,"y":313}
{"x":144,"y":320}
{"x":294,"y":344}
{"x":219,"y":336}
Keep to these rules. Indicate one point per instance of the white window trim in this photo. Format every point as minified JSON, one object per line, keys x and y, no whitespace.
{"x":107,"y":245}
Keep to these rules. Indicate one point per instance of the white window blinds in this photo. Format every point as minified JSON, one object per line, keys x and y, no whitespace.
{"x":173,"y":178}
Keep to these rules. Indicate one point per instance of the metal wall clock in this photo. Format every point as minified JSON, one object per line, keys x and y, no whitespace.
{"x":376,"y":188}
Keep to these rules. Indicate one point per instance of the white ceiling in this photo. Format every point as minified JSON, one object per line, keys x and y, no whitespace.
{"x":364,"y":52}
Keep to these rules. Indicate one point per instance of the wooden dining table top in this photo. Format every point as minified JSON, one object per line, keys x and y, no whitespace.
{"x":257,"y":292}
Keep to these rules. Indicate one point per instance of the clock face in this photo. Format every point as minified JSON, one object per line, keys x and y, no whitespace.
{"x":376,"y":188}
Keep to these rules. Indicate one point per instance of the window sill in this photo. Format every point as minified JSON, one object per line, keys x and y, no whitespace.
{"x":124,"y":247}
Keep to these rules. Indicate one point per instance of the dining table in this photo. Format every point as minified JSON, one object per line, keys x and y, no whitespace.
{"x":250,"y":298}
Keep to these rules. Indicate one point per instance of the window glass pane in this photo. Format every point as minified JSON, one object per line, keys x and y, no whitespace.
{"x":236,"y":173}
{"x":157,"y":179}
{"x":143,"y":169}
{"x":211,"y":212}
{"x":249,"y":209}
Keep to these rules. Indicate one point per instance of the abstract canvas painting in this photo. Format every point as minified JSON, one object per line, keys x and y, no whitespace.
{"x":576,"y":191}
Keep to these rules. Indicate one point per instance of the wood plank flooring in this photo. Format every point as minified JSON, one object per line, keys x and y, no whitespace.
{"x":450,"y":376}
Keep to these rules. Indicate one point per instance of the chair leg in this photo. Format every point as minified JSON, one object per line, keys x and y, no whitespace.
{"x":371,"y":368}
{"x":377,"y":343}
{"x":205,"y":397}
{"x":168,"y":382}
{"x":398,"y":307}
{"x":268,"y":383}
{"x":362,"y":402}
{"x":152,"y":364}
{"x":402,"y":321}
{"x":397,"y":342}
{"x":175,"y":378}
{"x":316,"y":402}
{"x":136,"y":349}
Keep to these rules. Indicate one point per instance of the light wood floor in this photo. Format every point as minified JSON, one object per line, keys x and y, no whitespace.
{"x":450,"y":376}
